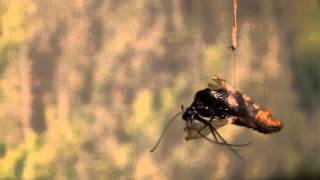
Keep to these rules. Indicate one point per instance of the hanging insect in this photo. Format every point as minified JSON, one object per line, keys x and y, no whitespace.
{"x":218,"y":105}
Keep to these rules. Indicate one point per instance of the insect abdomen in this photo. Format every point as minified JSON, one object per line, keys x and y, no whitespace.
{"x":262,"y":121}
{"x":266,"y":123}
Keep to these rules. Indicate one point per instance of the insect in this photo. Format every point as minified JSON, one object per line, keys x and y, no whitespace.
{"x":218,"y":105}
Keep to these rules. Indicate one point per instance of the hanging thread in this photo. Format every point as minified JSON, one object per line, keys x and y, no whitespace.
{"x":234,"y":39}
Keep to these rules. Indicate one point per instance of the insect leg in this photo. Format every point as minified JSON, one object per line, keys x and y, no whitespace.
{"x":213,"y":129}
{"x":204,"y":136}
{"x":213,"y":134}
{"x":225,"y":142}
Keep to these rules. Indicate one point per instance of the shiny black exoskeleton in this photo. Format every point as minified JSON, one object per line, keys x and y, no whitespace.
{"x":208,"y":107}
{"x":209,"y":104}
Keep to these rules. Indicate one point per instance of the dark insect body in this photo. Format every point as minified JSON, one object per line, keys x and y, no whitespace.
{"x":220,"y":104}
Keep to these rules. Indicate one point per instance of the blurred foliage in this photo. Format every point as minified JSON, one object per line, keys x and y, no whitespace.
{"x":305,"y":61}
{"x":86,"y":87}
{"x":12,"y":28}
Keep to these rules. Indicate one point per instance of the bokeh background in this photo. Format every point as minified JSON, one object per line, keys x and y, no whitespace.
{"x":86,"y":87}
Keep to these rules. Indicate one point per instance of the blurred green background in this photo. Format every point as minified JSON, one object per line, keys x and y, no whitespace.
{"x":86,"y":87}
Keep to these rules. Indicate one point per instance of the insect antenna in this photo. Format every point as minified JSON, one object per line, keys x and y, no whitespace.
{"x":164,"y":130}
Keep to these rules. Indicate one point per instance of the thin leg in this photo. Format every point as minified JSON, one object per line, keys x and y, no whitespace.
{"x":202,"y":135}
{"x":213,"y":134}
{"x":213,"y":130}
{"x":225,"y":142}
{"x":193,"y":130}
{"x":212,"y":141}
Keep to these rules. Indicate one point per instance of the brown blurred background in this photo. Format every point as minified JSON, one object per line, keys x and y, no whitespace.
{"x":86,"y":87}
